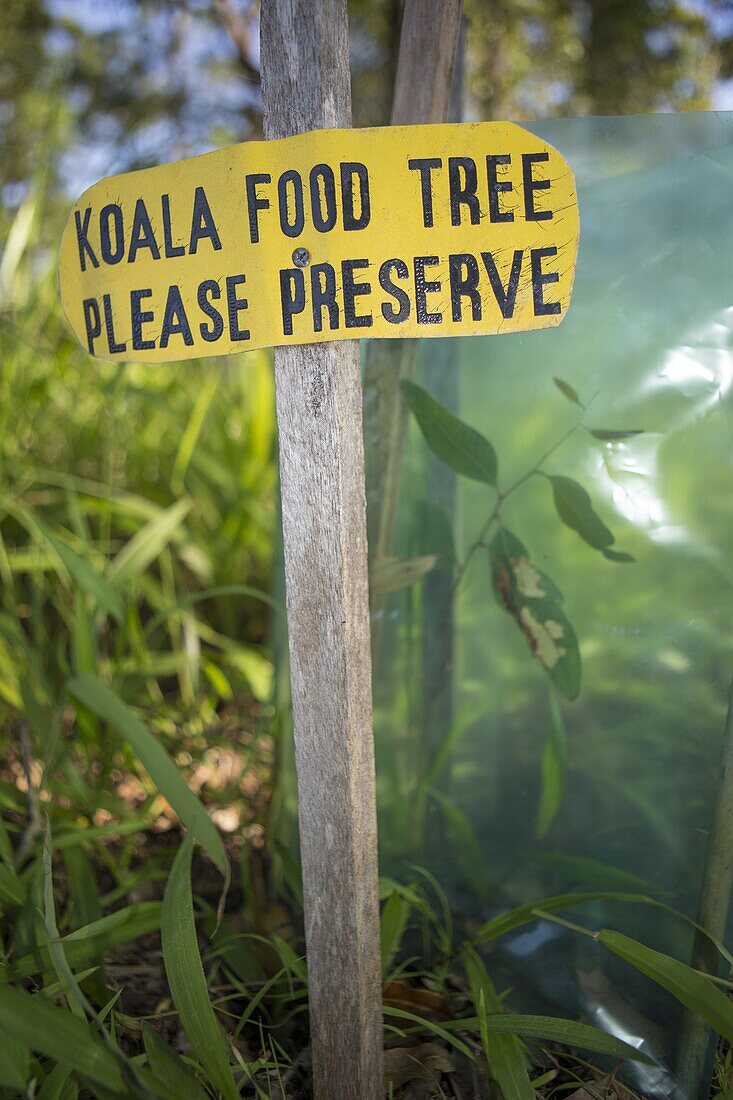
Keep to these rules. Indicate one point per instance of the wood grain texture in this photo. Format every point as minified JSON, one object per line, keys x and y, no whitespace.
{"x":441,"y":377}
{"x":423,"y":93}
{"x":305,"y":83}
{"x":425,"y":63}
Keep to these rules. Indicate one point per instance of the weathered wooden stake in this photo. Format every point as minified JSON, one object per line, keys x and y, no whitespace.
{"x":306,"y":86}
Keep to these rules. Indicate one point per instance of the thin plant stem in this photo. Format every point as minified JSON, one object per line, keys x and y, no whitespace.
{"x":501,"y":496}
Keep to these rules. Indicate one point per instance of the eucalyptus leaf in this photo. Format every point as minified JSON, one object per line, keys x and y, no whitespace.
{"x":575,"y":509}
{"x":618,"y":556}
{"x":567,"y":391}
{"x":533,"y":601}
{"x":461,"y":447}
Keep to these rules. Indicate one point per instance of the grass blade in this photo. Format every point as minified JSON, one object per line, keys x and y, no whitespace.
{"x":103,"y":702}
{"x":567,"y":1032}
{"x":393,"y":923}
{"x":437,"y":1029}
{"x":525,"y":914}
{"x":14,"y":1064}
{"x":145,"y":546}
{"x":76,"y":1000}
{"x":504,"y":1053}
{"x":12,"y":889}
{"x":692,"y":989}
{"x":84,"y":945}
{"x":169,"y":1068}
{"x":186,"y":975}
{"x":56,"y":1086}
{"x":58,"y":1034}
{"x":86,"y":577}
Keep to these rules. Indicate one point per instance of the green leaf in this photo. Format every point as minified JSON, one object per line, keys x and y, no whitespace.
{"x":608,"y":435}
{"x":103,"y":702}
{"x":84,"y":945}
{"x":534,"y":603}
{"x":84,"y":893}
{"x":692,"y":989}
{"x":14,"y":1063}
{"x":186,"y":975}
{"x":567,"y":391}
{"x":76,"y":1000}
{"x":169,"y":1068}
{"x":58,"y":1086}
{"x":86,"y":909}
{"x":393,"y":924}
{"x":458,"y":821}
{"x":568,"y":1032}
{"x":88,"y":579}
{"x":145,"y":546}
{"x":553,"y":769}
{"x":212,"y":594}
{"x":617,"y":555}
{"x":575,"y":509}
{"x":462,"y":448}
{"x":503,"y":1052}
{"x":58,"y":1034}
{"x":525,"y":914}
{"x":192,"y":431}
{"x":440,"y":1030}
{"x":84,"y":649}
{"x":90,"y":833}
{"x":12,"y":888}
{"x":588,"y":873}
{"x":6,"y":847}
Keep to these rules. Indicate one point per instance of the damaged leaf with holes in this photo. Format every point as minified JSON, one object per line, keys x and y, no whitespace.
{"x":535,"y":604}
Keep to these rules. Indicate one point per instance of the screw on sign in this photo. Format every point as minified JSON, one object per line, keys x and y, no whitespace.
{"x":303,"y":242}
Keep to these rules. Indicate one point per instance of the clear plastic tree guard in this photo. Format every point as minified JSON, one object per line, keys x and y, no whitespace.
{"x":550,"y":714}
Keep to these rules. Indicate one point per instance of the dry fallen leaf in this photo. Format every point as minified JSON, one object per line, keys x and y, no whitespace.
{"x":423,"y":1002}
{"x":419,"y":1063}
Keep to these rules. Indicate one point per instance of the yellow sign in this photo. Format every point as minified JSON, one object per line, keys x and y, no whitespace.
{"x":451,"y":230}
